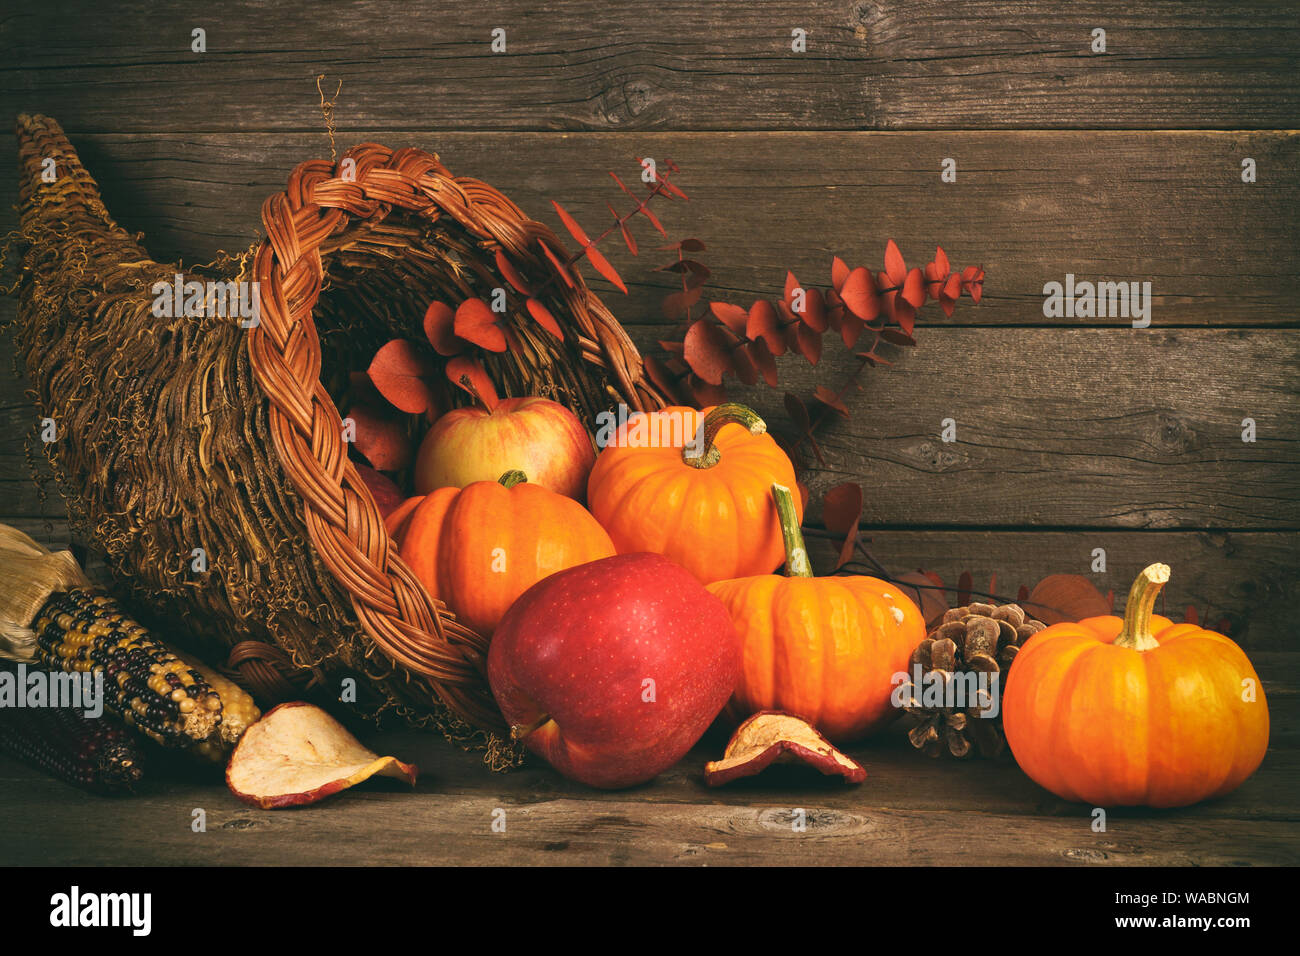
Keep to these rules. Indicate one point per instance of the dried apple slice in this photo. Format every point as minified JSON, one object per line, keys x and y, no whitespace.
{"x":298,"y":754}
{"x":771,"y":736}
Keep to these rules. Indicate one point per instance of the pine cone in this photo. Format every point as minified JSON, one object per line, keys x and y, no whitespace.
{"x":971,"y":641}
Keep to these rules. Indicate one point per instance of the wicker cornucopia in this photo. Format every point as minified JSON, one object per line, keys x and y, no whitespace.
{"x":194,"y":436}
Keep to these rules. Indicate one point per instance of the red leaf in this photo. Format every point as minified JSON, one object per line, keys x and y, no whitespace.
{"x":859,"y":294}
{"x":560,"y":267}
{"x":895,"y":337}
{"x":743,"y":366}
{"x":542,"y":315}
{"x":842,"y":507}
{"x":399,"y":372}
{"x":668,"y":185}
{"x":571,"y":224}
{"x":708,"y":351}
{"x":814,"y":312}
{"x":663,"y":379}
{"x":627,"y":238}
{"x":831,"y":400}
{"x":362,"y":389}
{"x":732,"y":316}
{"x":914,"y":288}
{"x":810,"y":343}
{"x":762,"y":358}
{"x":476,"y":323}
{"x":764,"y":324}
{"x":381,"y":436}
{"x":507,"y":269}
{"x":798,"y":412}
{"x":604,"y":268}
{"x":675,"y":304}
{"x":841,"y":513}
{"x":851,"y":329}
{"x":941,"y":265}
{"x":687,"y":266}
{"x":964,"y":584}
{"x":654,"y":220}
{"x":926,"y":591}
{"x":440,"y":329}
{"x":621,"y":185}
{"x":839,"y":273}
{"x":704,"y":393}
{"x":791,"y":283}
{"x":469,"y":375}
{"x":622,"y":226}
{"x":1189,"y":616}
{"x":895,"y":267}
{"x":1022,"y":595}
{"x":900,"y":310}
{"x":1065,"y":597}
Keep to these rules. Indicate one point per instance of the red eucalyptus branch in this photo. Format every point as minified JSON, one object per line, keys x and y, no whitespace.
{"x":731,"y":341}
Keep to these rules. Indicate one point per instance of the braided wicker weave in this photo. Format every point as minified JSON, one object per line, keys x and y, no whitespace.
{"x":194,"y":432}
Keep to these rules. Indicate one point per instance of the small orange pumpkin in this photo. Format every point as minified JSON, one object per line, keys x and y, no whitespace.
{"x":693,"y":486}
{"x":479,"y":547}
{"x":400,"y":517}
{"x":827,"y":649}
{"x":1135,"y":712}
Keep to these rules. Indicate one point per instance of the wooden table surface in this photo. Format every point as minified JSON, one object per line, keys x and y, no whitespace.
{"x":1073,"y":434}
{"x":911,"y":810}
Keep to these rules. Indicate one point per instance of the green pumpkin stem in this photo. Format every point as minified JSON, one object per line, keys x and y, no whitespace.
{"x":1136,"y":632}
{"x":512,"y":477}
{"x":701,"y":452}
{"x":797,"y":564}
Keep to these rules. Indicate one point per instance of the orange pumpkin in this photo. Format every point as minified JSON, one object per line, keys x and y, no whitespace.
{"x":1138,"y":711}
{"x":827,"y":649}
{"x":479,"y":547}
{"x":400,"y":517}
{"x":693,"y":486}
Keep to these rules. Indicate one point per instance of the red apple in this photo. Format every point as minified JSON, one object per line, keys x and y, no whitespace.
{"x":612,"y":670}
{"x":539,"y":437}
{"x":382,"y":488}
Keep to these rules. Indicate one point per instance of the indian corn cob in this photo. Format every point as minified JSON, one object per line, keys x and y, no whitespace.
{"x":96,"y":755}
{"x":174,"y":701}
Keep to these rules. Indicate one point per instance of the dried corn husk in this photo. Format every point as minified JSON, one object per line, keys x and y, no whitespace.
{"x":29,"y":574}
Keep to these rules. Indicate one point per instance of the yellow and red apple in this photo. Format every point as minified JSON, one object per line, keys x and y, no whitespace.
{"x":539,"y":437}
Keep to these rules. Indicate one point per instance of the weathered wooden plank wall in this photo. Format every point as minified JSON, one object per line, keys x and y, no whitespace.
{"x":676,"y":64}
{"x":1073,"y":434}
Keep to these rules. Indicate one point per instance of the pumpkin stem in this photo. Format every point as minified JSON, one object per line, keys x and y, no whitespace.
{"x":512,"y":477}
{"x":1136,"y":632}
{"x":521,"y":731}
{"x":797,"y":564}
{"x":700,"y":452}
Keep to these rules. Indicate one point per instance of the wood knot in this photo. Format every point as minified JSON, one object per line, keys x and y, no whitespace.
{"x":1174,"y":436}
{"x":811,"y":819}
{"x":865,"y":18}
{"x":934,"y":456}
{"x":628,"y":101}
{"x":1085,"y":855}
